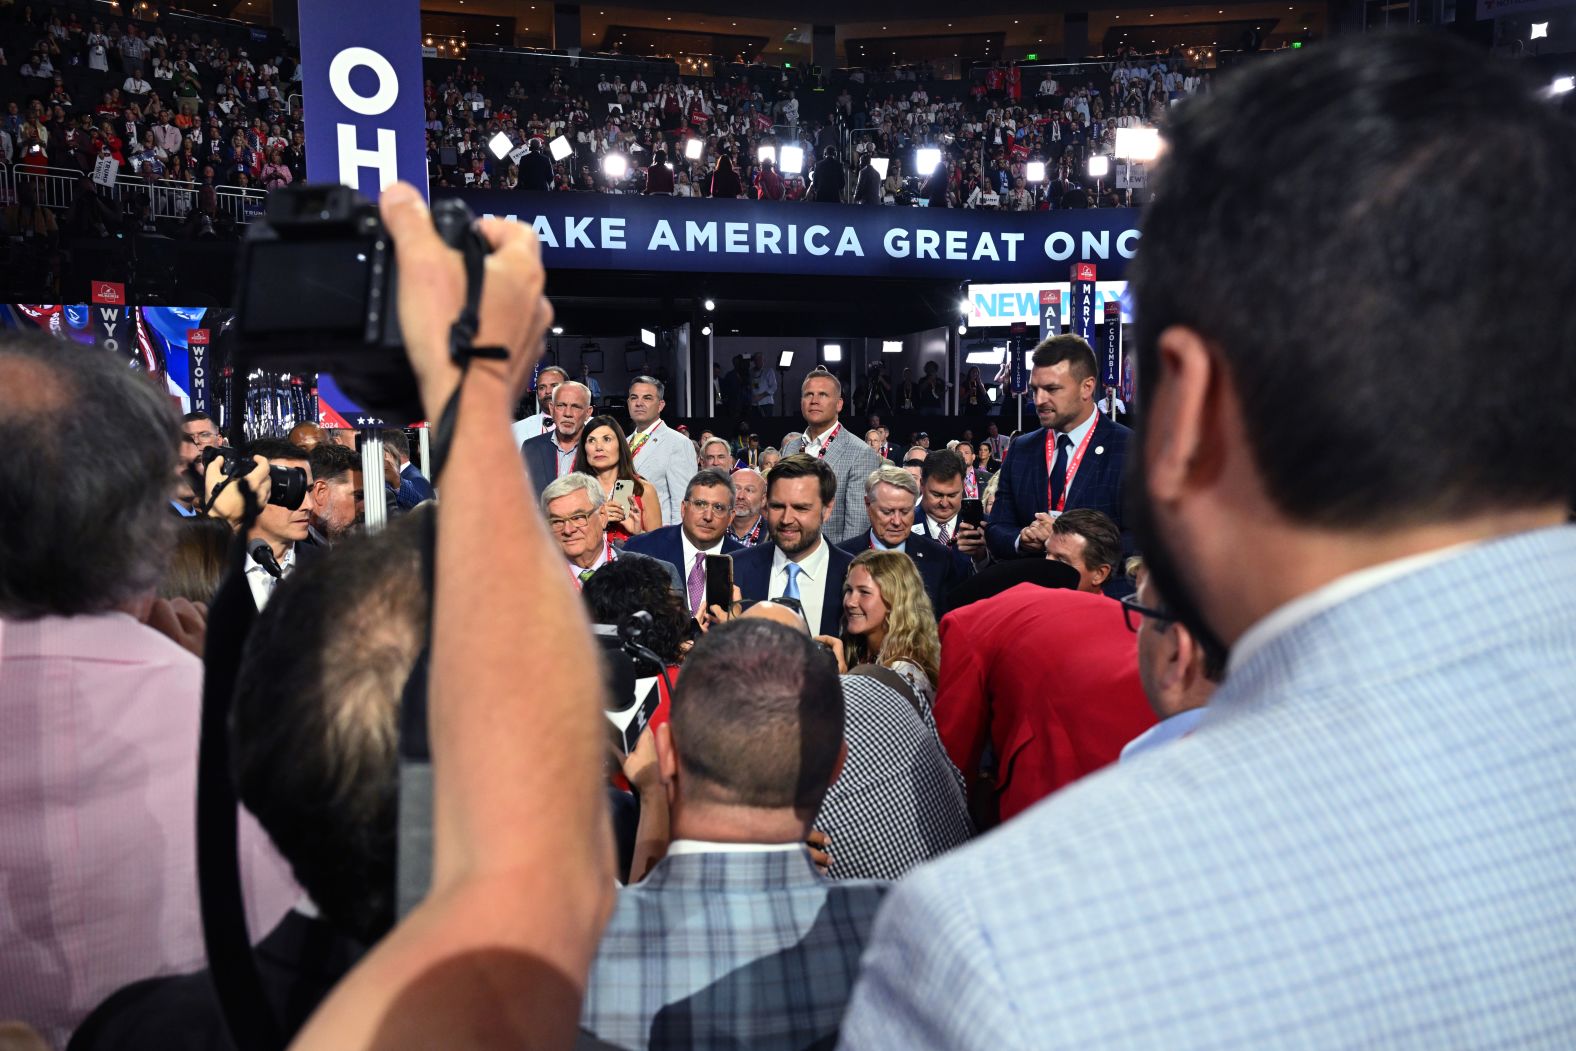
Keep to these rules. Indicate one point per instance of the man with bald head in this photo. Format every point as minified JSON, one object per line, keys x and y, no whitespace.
{"x":307,"y":436}
{"x":749,"y":506}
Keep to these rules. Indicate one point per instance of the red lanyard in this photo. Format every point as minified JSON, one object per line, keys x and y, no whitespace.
{"x":826,"y":444}
{"x":971,"y":484}
{"x":641,"y":439}
{"x":1072,"y":465}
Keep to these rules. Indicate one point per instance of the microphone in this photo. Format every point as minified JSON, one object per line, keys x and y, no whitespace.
{"x":263,"y":555}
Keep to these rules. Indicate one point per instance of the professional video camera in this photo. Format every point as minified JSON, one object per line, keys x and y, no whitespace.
{"x":289,"y":483}
{"x":318,"y":292}
{"x":633,"y":671}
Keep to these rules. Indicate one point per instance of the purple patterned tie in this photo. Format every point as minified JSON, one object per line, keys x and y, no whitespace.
{"x":697,"y":581}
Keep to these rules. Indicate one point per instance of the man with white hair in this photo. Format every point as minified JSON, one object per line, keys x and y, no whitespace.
{"x":716,"y":452}
{"x":890,"y":493}
{"x":551,"y":454}
{"x":573,"y":506}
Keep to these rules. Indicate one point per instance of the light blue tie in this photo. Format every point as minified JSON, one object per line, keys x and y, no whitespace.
{"x":792,"y":589}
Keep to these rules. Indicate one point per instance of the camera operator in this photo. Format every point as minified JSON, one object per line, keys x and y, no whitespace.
{"x":282,"y":528}
{"x":520,"y":893}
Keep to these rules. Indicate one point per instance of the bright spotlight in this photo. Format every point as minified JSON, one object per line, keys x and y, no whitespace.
{"x":963,"y":330}
{"x":766,"y":153}
{"x":1034,"y":171}
{"x":1540,"y":30}
{"x":891,"y":346}
{"x":500,"y":145}
{"x":792,"y":162}
{"x":693,"y":149}
{"x":558,"y":330}
{"x":560,"y":148}
{"x":993,"y":356}
{"x":880,"y":164}
{"x":832,"y":352}
{"x":648,"y":337}
{"x":710,"y":304}
{"x":1561,"y":85}
{"x":785,"y":359}
{"x":927,"y":159}
{"x":705,"y":330}
{"x":1099,"y":166}
{"x":964,"y":306}
{"x":1138,"y":144}
{"x":615,"y":166}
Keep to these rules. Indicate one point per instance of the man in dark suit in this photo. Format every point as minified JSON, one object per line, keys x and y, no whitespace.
{"x":889,"y":499}
{"x":413,"y":486}
{"x":574,"y":508}
{"x":734,"y":939}
{"x":702,"y":530}
{"x":799,"y":563}
{"x":551,"y":455}
{"x":1075,"y":458}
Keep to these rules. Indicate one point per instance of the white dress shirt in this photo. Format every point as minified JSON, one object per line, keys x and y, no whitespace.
{"x":706,"y":846}
{"x":932,"y":528}
{"x":812,"y":582}
{"x":813,"y":446}
{"x":601,"y":560}
{"x":262,"y":582}
{"x":530,"y":427}
{"x":690,"y":551}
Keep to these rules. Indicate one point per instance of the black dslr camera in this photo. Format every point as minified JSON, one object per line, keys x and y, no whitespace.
{"x":318,"y":293}
{"x":289,"y":483}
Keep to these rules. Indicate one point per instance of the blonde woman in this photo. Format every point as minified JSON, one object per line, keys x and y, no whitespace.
{"x":887,"y":620}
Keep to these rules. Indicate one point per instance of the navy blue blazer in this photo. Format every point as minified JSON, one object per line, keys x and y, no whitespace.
{"x":667,"y":544}
{"x":1022,"y":491}
{"x":940,"y":567}
{"x":752,"y":573}
{"x":541,"y":461}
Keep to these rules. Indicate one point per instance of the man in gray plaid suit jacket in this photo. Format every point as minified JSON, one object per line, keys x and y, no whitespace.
{"x":820,"y":400}
{"x":734,"y":940}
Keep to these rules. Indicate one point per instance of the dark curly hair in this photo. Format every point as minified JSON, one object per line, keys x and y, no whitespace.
{"x":628,"y":585}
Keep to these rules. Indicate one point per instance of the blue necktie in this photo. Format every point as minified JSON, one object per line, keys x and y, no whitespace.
{"x":792,"y":588}
{"x":1059,"y":470}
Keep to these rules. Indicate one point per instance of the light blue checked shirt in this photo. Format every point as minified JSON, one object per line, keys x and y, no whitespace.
{"x":1369,"y":842}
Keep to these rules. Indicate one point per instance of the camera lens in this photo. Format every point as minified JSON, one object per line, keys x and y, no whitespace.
{"x":289,"y":487}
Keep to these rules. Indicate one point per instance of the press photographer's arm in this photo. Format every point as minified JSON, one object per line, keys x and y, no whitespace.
{"x":497,"y":954}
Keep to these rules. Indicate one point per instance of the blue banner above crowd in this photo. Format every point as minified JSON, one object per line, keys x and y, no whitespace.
{"x":611,"y":232}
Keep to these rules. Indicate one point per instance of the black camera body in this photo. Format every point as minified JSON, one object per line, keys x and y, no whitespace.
{"x":318,"y":292}
{"x":288,"y":483}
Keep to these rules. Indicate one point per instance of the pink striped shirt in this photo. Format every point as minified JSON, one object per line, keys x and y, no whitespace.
{"x":99,"y":722}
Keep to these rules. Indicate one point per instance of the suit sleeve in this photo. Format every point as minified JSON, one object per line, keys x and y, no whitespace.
{"x":681,"y":464}
{"x":960,"y":709}
{"x":929,"y":978}
{"x":1002,"y":527}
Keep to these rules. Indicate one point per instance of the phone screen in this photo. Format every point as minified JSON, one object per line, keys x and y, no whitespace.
{"x":719,"y":581}
{"x":972,"y":512}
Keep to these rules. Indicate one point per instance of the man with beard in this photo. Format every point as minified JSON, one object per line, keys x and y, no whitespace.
{"x":338,"y":499}
{"x":800,"y":563}
{"x":1367,"y":840}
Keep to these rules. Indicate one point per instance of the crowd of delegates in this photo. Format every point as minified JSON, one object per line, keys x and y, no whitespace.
{"x":988,"y":131}
{"x":177,"y":110}
{"x":1300,"y":747}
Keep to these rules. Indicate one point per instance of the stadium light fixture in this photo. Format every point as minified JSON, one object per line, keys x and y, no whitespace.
{"x":560,"y":148}
{"x":705,"y":330}
{"x":615,"y":166}
{"x":500,"y":145}
{"x":1099,"y":166}
{"x":1137,"y":144}
{"x":1540,"y":31}
{"x":891,"y":346}
{"x":991,"y":356}
{"x":963,"y":330}
{"x":648,"y":337}
{"x":832,"y":352}
{"x":1034,"y":171}
{"x":792,"y":162}
{"x":1561,"y":85}
{"x":926,"y":160}
{"x":785,"y":359}
{"x":880,"y":164}
{"x":710,"y":305}
{"x":964,"y":306}
{"x":558,"y":330}
{"x":693,"y":149}
{"x":766,"y":153}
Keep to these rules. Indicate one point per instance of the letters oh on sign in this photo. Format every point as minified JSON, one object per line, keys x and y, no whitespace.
{"x":361,"y":81}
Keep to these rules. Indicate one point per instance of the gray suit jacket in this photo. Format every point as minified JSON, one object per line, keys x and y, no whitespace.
{"x":729,"y":950}
{"x":1367,"y":842}
{"x":668,"y":462}
{"x":852,"y":460}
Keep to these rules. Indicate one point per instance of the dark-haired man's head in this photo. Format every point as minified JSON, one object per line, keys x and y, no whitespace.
{"x":79,"y":534}
{"x":800,"y":490}
{"x":708,"y":507}
{"x":1062,"y":381}
{"x":396,"y":441}
{"x":283,"y":527}
{"x":338,"y":499}
{"x":1088,"y":541}
{"x":941,"y":485}
{"x":1270,"y":440}
{"x":315,"y":720}
{"x":627,"y":586}
{"x":198,"y":432}
{"x":756,"y":736}
{"x":1177,"y":673}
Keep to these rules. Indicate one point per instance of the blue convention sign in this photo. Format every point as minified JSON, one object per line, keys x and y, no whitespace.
{"x":593,"y":231}
{"x":362,"y":84}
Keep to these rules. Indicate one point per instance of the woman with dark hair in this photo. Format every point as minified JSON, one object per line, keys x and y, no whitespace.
{"x":626,"y":586}
{"x":975,"y":398}
{"x":724,"y":180}
{"x":659,"y":177}
{"x":604,"y":454}
{"x":197,"y":565}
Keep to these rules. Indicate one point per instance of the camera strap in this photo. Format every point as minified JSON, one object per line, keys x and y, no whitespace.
{"x":462,"y":352}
